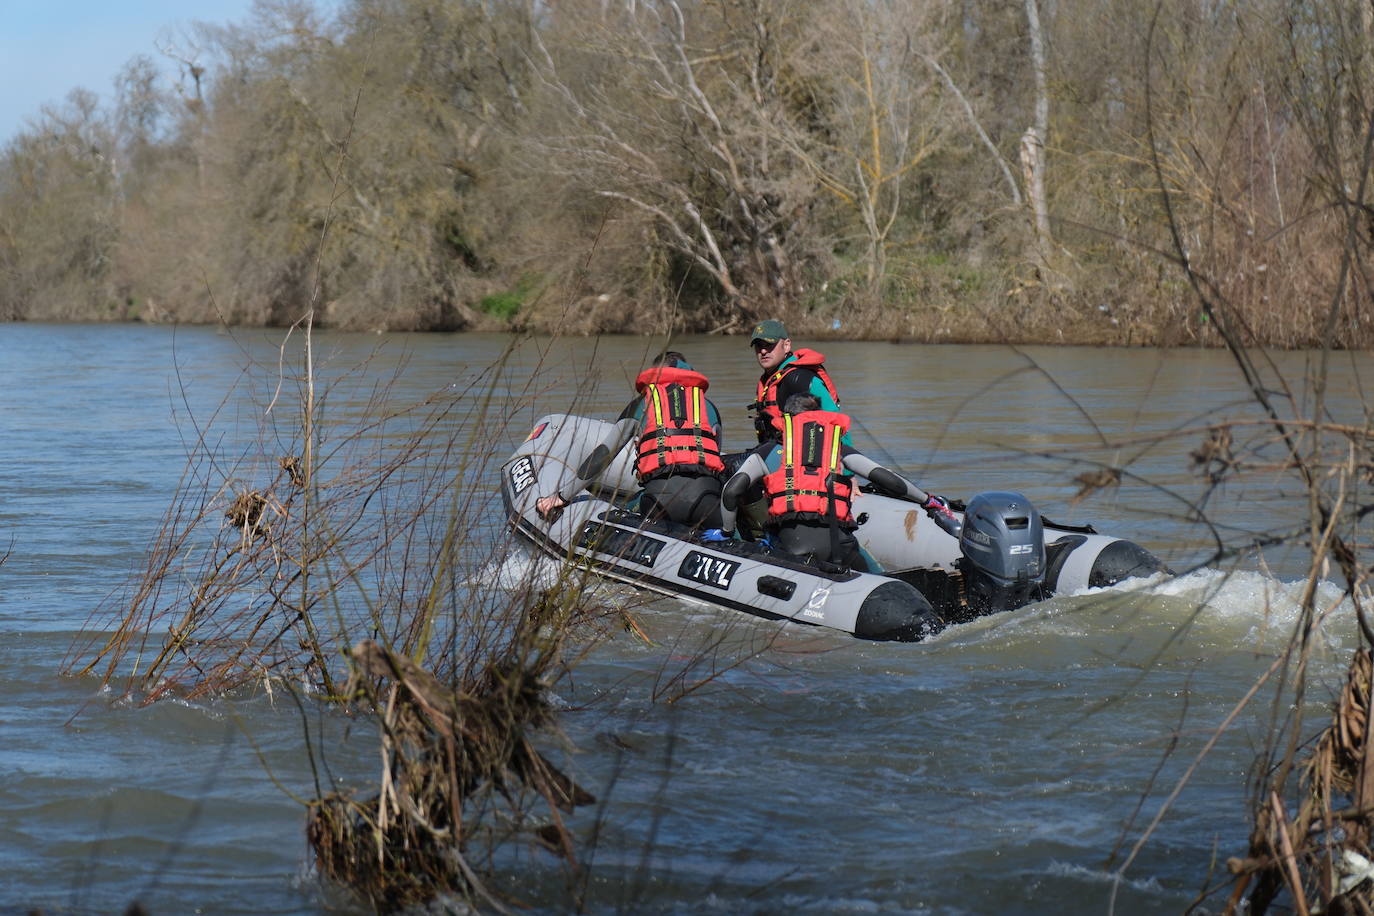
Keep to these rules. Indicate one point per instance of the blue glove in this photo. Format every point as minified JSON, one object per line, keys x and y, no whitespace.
{"x":711,"y":535}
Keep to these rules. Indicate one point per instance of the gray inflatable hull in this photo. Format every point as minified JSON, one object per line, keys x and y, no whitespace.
{"x":663,"y":558}
{"x":915,"y":599}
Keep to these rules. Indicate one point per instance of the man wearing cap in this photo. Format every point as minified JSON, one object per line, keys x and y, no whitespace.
{"x":786,"y":372}
{"x":678,"y":459}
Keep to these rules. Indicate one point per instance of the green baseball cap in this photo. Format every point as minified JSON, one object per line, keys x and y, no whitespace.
{"x":771,"y":330}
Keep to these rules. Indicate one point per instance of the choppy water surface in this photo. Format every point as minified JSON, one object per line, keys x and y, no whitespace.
{"x":1009,"y":765}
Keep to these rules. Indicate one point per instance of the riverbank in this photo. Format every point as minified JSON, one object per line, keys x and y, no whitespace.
{"x":1102,"y":326}
{"x":1106,"y":192}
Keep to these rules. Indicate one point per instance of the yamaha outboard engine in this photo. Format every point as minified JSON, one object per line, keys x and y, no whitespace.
{"x":1003,"y":547}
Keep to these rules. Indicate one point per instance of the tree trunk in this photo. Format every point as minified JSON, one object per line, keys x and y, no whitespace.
{"x":1033,"y":141}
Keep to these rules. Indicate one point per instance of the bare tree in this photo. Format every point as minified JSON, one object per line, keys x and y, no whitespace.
{"x":1034,"y":139}
{"x":682,"y":132}
{"x":883,"y":117}
{"x":59,"y":212}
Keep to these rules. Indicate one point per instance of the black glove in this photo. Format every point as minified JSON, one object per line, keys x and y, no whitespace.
{"x":937,"y":507}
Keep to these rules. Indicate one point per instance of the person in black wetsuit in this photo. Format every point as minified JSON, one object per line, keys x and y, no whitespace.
{"x":678,"y":458}
{"x":808,"y":486}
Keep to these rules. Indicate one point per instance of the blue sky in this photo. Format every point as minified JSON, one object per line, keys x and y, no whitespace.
{"x":49,"y":47}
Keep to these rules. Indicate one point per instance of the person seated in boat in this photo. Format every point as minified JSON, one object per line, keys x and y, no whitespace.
{"x":808,"y":486}
{"x":786,"y":373}
{"x":679,"y":464}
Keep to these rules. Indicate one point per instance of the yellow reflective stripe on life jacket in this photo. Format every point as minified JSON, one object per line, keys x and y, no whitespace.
{"x":657,"y":406}
{"x":790,"y":480}
{"x":660,"y":434}
{"x":697,"y":397}
{"x":834,"y":469}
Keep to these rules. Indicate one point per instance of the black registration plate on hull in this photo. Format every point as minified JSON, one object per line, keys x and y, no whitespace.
{"x":521,"y":475}
{"x":716,"y":572}
{"x":617,"y":542}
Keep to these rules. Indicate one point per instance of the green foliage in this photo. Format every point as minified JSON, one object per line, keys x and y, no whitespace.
{"x":506,"y":305}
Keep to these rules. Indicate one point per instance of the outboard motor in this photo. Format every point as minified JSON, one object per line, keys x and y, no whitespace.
{"x":1003,"y":547}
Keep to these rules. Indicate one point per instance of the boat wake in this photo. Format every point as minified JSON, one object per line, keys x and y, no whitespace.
{"x":1241,"y":595}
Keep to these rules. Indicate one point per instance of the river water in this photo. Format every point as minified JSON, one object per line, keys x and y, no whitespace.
{"x":1009,"y":765}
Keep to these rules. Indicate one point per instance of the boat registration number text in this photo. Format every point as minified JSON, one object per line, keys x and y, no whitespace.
{"x":521,"y":475}
{"x":708,"y":570}
{"x":617,"y":542}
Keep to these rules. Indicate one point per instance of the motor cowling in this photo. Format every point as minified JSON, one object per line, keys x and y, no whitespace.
{"x":1003,"y":552}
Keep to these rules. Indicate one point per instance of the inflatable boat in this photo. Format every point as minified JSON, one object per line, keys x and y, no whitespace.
{"x":1005,"y":555}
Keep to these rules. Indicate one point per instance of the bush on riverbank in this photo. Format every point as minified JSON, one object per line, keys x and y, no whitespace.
{"x":967,"y":172}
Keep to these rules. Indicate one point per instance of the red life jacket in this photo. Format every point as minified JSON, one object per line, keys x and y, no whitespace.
{"x":811,"y":479}
{"x":677,"y":435}
{"x":767,"y":394}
